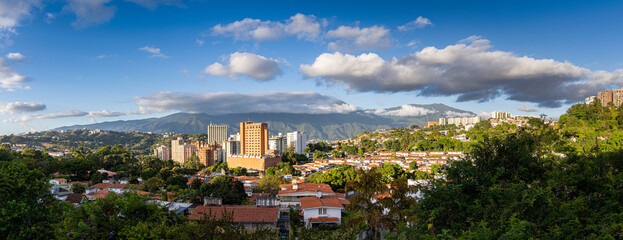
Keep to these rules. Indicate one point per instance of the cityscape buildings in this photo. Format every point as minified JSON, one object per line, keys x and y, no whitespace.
{"x":217,"y":133}
{"x":297,"y":140}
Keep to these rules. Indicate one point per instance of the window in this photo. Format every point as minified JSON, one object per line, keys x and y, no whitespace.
{"x":322,"y":211}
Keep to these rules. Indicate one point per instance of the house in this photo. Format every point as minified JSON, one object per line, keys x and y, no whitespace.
{"x":74,"y":198}
{"x":290,"y":194}
{"x":58,"y":181}
{"x":321,"y":210}
{"x":97,"y":195}
{"x":247,"y":216}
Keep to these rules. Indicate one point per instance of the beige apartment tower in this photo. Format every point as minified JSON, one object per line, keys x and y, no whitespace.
{"x":253,"y":138}
{"x":217,"y":133}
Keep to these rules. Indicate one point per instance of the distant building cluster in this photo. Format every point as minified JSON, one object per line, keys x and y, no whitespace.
{"x":467,"y":122}
{"x":252,"y":148}
{"x":608,"y":96}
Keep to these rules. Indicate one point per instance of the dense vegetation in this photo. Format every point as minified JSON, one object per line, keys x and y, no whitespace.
{"x":534,"y":182}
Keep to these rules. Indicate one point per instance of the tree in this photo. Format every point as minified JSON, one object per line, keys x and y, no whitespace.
{"x":320,"y":155}
{"x":225,"y":187}
{"x":78,"y":188}
{"x":270,"y":171}
{"x":391,"y":172}
{"x":382,"y":214}
{"x":238,"y":171}
{"x":270,"y":183}
{"x":177,"y":181}
{"x":193,"y":163}
{"x":153,"y":184}
{"x":22,"y":194}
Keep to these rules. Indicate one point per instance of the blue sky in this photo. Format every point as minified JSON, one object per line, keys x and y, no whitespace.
{"x":71,"y":62}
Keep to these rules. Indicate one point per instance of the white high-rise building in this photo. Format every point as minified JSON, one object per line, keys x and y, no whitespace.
{"x":278,"y":143}
{"x":163,"y":153}
{"x":298,"y":140}
{"x":231,"y":146}
{"x":181,"y":150}
{"x":217,"y":133}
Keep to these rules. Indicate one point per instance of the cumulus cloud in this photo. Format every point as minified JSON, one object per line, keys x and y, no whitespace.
{"x":228,"y":102}
{"x":61,"y":114}
{"x":154,"y":51}
{"x":523,"y":108}
{"x":303,"y":26}
{"x":12,"y":12}
{"x":419,"y":22}
{"x":469,"y":70}
{"x":9,"y":78}
{"x":247,"y":64}
{"x":153,"y":4}
{"x":15,"y":56}
{"x":484,"y":115}
{"x":404,"y":111}
{"x":90,"y":12}
{"x":355,"y":38}
{"x":20,"y":107}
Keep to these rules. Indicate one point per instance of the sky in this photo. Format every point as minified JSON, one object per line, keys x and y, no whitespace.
{"x":67,"y":62}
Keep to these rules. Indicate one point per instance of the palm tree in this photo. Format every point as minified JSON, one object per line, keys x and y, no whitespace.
{"x":380,"y":208}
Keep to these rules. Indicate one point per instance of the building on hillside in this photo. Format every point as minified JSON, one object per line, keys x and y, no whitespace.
{"x":252,"y":162}
{"x":290,"y":194}
{"x":163,"y":153}
{"x":278,"y":143}
{"x":217,"y":133}
{"x":501,"y":115}
{"x":253,"y":138}
{"x":231,"y":146}
{"x":209,"y":153}
{"x":318,"y":210}
{"x":181,"y":150}
{"x":611,"y":96}
{"x":433,"y":123}
{"x":590,"y":100}
{"x":247,"y":216}
{"x":298,"y":140}
{"x":458,"y":121}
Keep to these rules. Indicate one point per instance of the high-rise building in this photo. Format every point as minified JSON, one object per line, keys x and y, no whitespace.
{"x":217,"y":133}
{"x":298,"y":140}
{"x":208,"y":152}
{"x":278,"y":143}
{"x":465,"y":121}
{"x":501,"y":115}
{"x":181,"y":150}
{"x":163,"y":153}
{"x":605,"y":97}
{"x":253,"y":138}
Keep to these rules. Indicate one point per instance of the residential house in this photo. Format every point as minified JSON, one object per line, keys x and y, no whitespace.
{"x":247,"y":216}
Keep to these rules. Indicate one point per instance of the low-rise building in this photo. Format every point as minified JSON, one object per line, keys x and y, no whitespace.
{"x":247,"y":216}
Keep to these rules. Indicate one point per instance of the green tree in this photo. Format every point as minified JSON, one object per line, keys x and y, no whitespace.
{"x":153,"y":184}
{"x":23,"y":192}
{"x":225,"y":187}
{"x":177,"y":181}
{"x":78,"y":188}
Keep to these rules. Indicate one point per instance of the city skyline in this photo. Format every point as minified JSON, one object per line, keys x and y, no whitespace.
{"x":78,"y":62}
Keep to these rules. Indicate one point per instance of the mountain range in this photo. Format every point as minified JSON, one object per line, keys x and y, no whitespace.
{"x":329,"y":126}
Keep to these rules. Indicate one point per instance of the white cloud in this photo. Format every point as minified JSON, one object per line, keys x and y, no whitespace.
{"x":90,"y":12}
{"x":15,"y":56}
{"x":61,"y":114}
{"x":484,"y":115}
{"x":355,"y":38}
{"x":412,"y":43}
{"x":12,"y":12}
{"x":154,"y":51}
{"x":9,"y":78}
{"x":105,"y":113}
{"x":228,"y":102}
{"x":469,"y":70}
{"x":404,"y":111}
{"x":20,"y":107}
{"x":420,"y":22}
{"x":199,"y":42}
{"x":303,"y":26}
{"x":523,"y":108}
{"x":248,"y":64}
{"x":458,"y":114}
{"x":153,"y":4}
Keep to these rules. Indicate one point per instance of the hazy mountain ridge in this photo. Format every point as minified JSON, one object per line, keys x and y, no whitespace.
{"x":330,"y":126}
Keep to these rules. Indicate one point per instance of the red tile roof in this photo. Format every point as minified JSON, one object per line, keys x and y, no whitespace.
{"x":323,"y":219}
{"x":101,"y":185}
{"x":241,"y":214}
{"x":100,"y":194}
{"x":75,"y":198}
{"x":314,"y":202}
{"x":306,"y":187}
